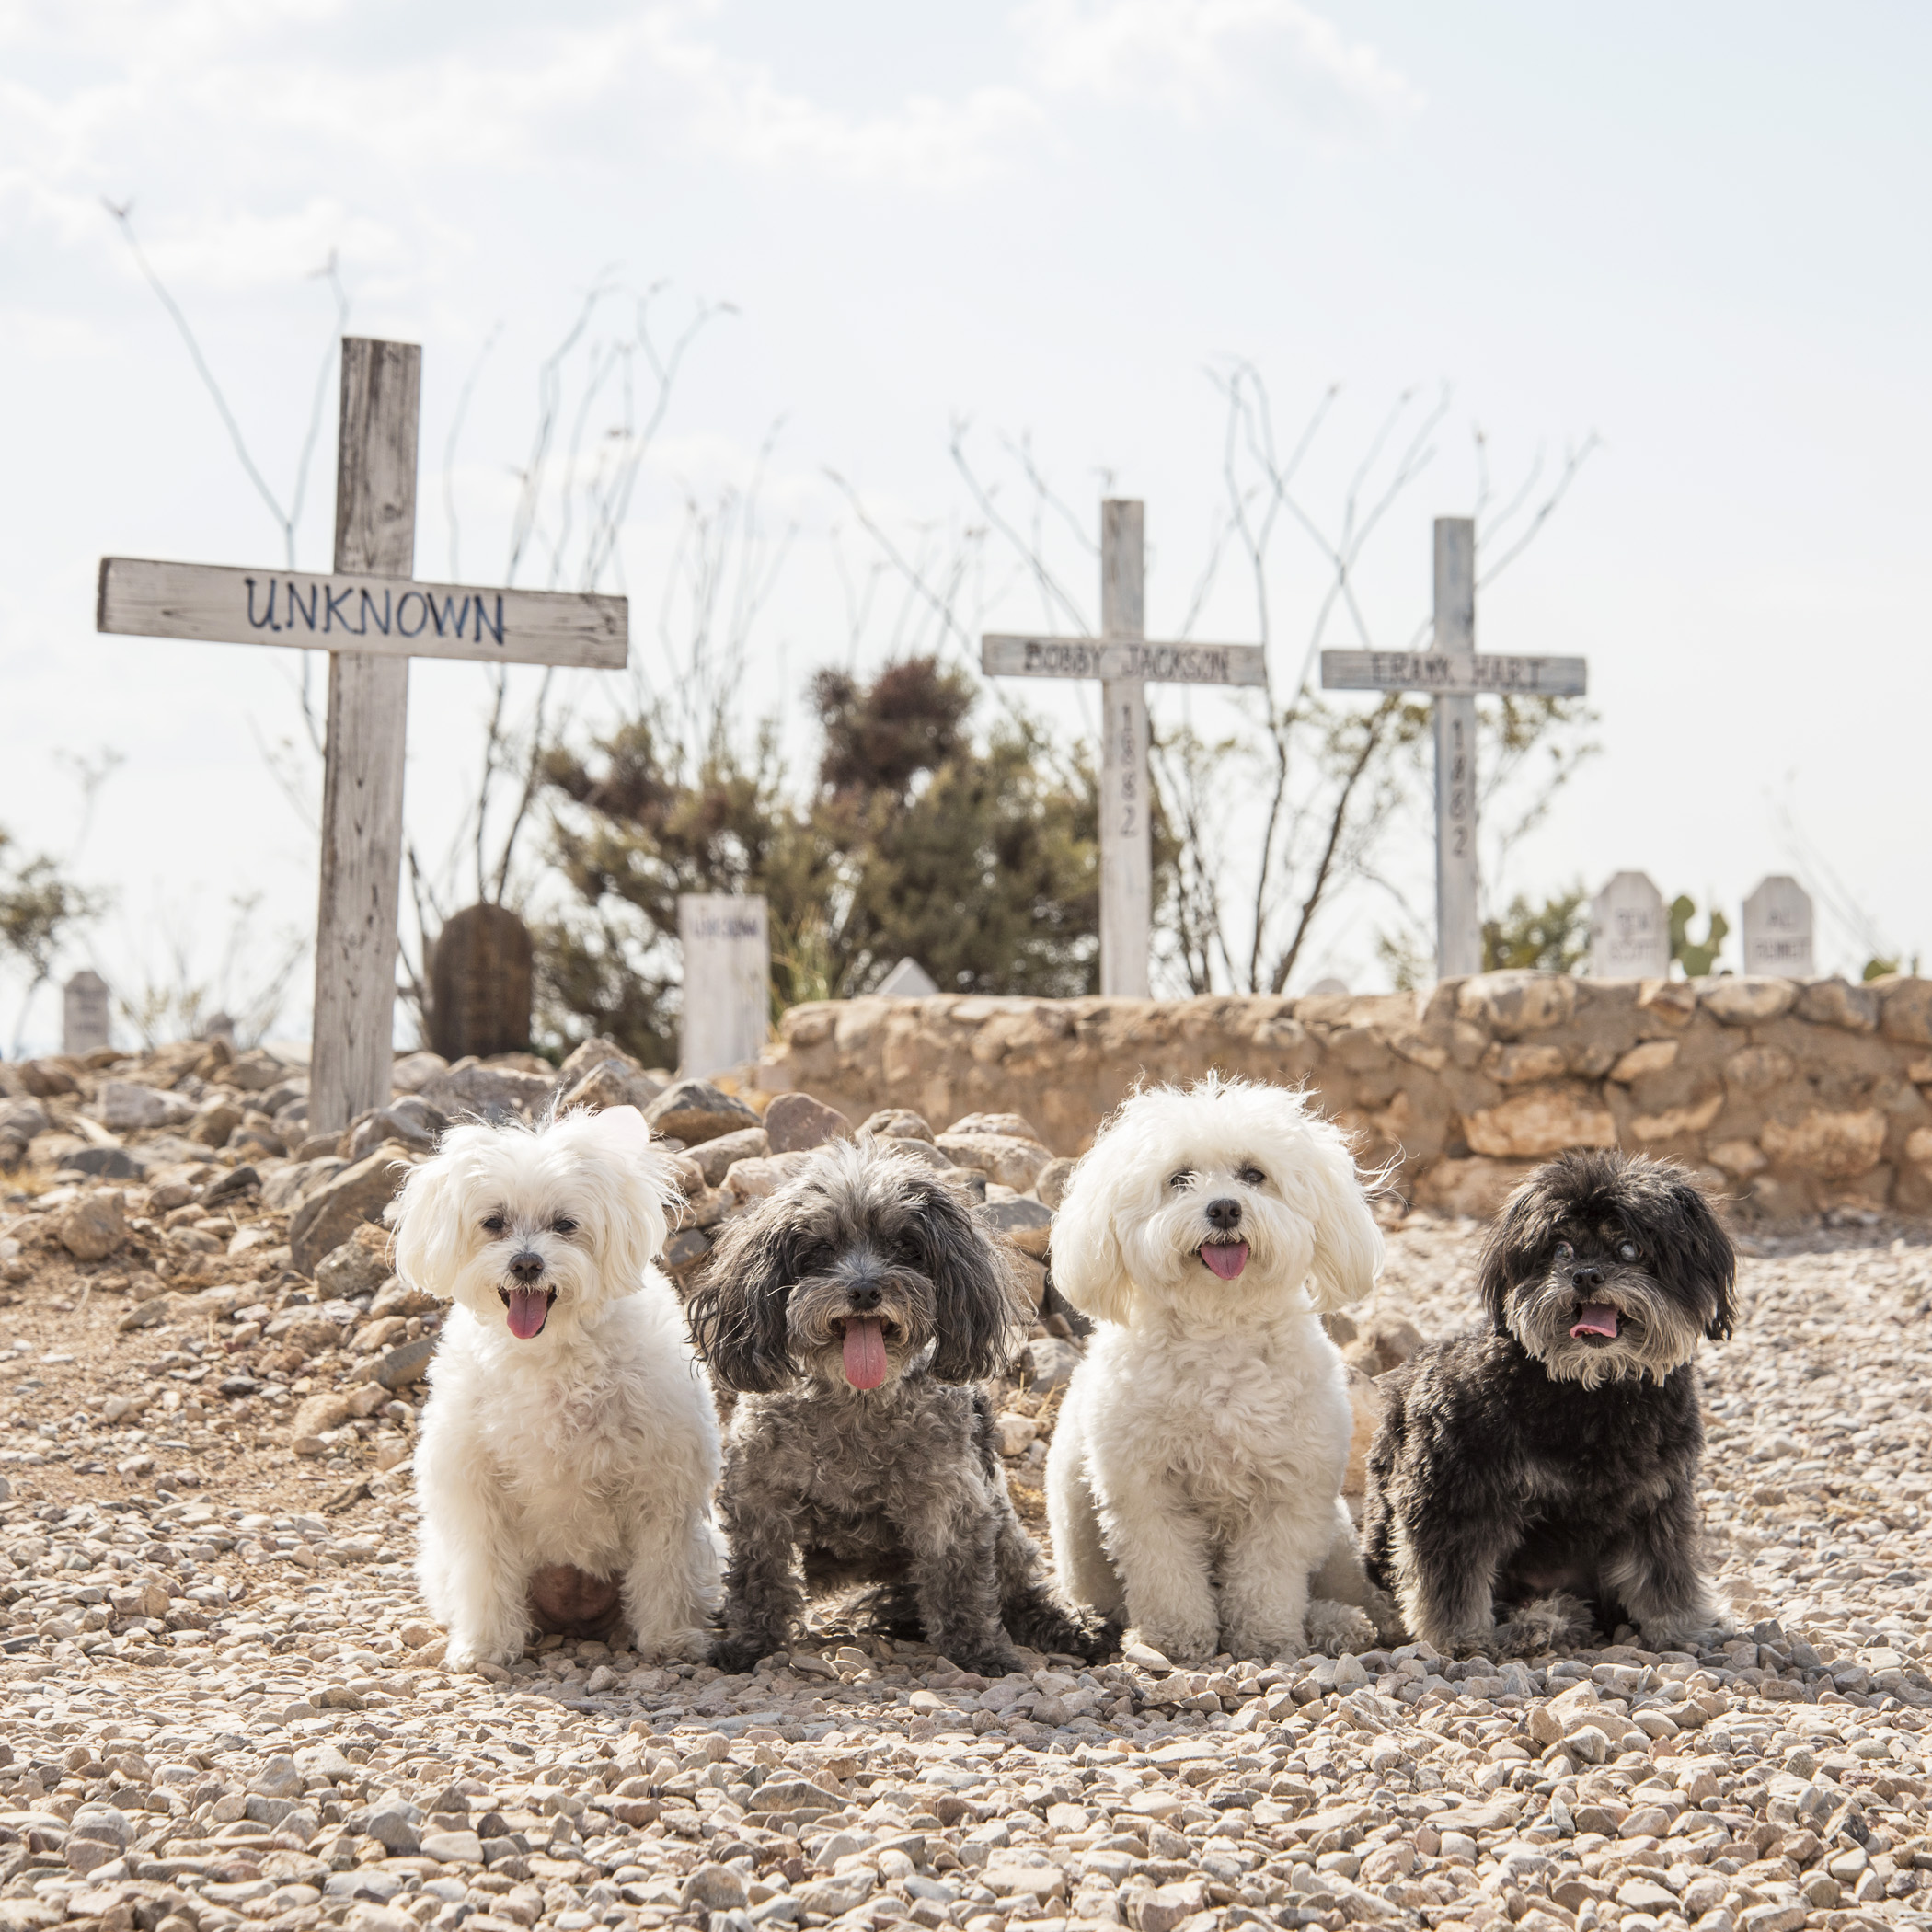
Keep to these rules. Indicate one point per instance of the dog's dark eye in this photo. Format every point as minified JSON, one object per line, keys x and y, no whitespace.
{"x":563,"y":1225}
{"x":1564,"y":1252}
{"x":1626,"y":1251}
{"x":1182,"y":1178}
{"x":1250,"y":1177}
{"x":494,"y":1225}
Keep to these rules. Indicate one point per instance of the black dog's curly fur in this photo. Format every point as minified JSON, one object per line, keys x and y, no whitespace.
{"x":1543,"y":1470}
{"x":826,"y":1484}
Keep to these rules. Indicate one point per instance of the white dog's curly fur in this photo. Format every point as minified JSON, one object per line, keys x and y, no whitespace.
{"x":570,"y":1445}
{"x":1194,"y":1481}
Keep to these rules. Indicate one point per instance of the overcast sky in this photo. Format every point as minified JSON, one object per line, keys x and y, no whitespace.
{"x":1698,"y":233}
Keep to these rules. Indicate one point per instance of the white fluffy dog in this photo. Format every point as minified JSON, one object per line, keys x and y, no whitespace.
{"x":569,"y":1446}
{"x":1194,"y":1482}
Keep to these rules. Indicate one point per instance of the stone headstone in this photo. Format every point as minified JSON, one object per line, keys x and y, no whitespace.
{"x":220,"y":1026}
{"x":1629,"y":930}
{"x":85,"y":1013}
{"x":1329,"y":988}
{"x":1777,"y":929}
{"x":480,"y":984}
{"x":908,"y":980}
{"x":727,"y":973}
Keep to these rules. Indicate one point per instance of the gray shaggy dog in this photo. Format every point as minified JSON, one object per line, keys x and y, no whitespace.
{"x":854,"y":1309}
{"x":1548,"y":1470}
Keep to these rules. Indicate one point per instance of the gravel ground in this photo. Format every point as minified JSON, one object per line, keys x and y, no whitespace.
{"x":221,"y":1701}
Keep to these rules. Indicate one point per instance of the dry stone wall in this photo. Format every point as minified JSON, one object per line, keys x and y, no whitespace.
{"x":1791,"y":1095}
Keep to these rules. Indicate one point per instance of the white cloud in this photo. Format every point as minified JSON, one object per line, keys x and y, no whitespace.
{"x":1192,"y":55}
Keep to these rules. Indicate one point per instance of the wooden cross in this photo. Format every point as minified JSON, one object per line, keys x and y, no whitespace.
{"x":1454,"y":675}
{"x":1124,"y":661}
{"x":372,"y":616}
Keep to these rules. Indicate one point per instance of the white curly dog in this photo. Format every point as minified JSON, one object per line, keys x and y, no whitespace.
{"x":570,"y":1445}
{"x":1194,"y":1482}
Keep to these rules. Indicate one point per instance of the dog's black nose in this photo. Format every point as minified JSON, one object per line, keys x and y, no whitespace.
{"x":865,"y":1296}
{"x":1585,"y":1279}
{"x":527,"y":1267}
{"x":1225,"y":1214}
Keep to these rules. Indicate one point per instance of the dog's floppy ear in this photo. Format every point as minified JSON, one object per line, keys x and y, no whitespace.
{"x":738,"y":1311}
{"x":635,"y":1228}
{"x":1090,"y":1268}
{"x":429,"y":1215}
{"x":1348,"y":1244}
{"x":1515,"y":1238}
{"x":978,"y":1315}
{"x":1694,"y":1251}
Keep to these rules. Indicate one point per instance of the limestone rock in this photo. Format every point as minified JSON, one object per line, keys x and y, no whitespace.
{"x":1027,"y":1224}
{"x":1739,"y":1159}
{"x":1835,"y":1147}
{"x":408,"y":1362}
{"x":1013,"y":1125}
{"x":1747,"y":1001}
{"x":1676,"y":1122}
{"x":124,"y":1107}
{"x":1050,"y":1182}
{"x":289,"y":1186}
{"x":1905,"y":1009}
{"x":610,"y":1081}
{"x":1513,"y":1004}
{"x":1918,"y":1148}
{"x":897,"y":1124}
{"x":54,"y":1074}
{"x":490,"y":1093}
{"x":1545,"y":1119}
{"x":1050,"y":1359}
{"x":1835,"y":1002}
{"x":713,"y":1158}
{"x":1648,"y":1056}
{"x":1673,"y":1001}
{"x":695,"y":1111}
{"x":795,"y":1121}
{"x":1512,"y":1065}
{"x":1014,"y":1162}
{"x":1757,"y":1069}
{"x":411,"y":1120}
{"x":95,"y":1226}
{"x":1478,"y":1187}
{"x":753,"y":1179}
{"x":358,"y":1193}
{"x":356,"y":1267}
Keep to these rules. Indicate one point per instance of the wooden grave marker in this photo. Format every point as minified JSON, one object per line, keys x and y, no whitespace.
{"x":1454,"y":675}
{"x":1629,"y":930}
{"x":728,"y":980}
{"x":372,"y":616}
{"x":1124,"y":661}
{"x":1778,"y":929}
{"x":87,"y":1015}
{"x":480,"y":979}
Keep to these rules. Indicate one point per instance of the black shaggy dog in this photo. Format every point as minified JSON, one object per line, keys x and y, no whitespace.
{"x":855,"y":1308}
{"x":1550,"y":1467}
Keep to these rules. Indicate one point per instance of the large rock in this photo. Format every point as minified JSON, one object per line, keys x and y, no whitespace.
{"x":359,"y":1266}
{"x":610,"y":1083}
{"x":411,"y":1120}
{"x":1016,"y":1126}
{"x":1836,"y":1003}
{"x":1546,"y":1120}
{"x":1477,"y":1187}
{"x":21,"y":1120}
{"x":1513,"y":1004}
{"x":95,"y":1226}
{"x":1748,"y":1001}
{"x":289,"y":1186}
{"x":1026,"y":1224}
{"x":1905,"y":1009}
{"x":896,"y":1124}
{"x":1835,"y":1147}
{"x":56,"y":1073}
{"x":714,"y":1159}
{"x":1012,"y":1162}
{"x":695,"y":1111}
{"x":125,"y":1107}
{"x":336,"y":1209}
{"x":794,"y":1123}
{"x":750,"y":1180}
{"x":488,"y":1093}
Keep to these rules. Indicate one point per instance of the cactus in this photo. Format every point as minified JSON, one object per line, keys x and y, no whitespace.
{"x":1696,"y":960}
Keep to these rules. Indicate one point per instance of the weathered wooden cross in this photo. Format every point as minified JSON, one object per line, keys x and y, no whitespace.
{"x":1454,"y":675}
{"x":1124,"y":661}
{"x":372,"y":616}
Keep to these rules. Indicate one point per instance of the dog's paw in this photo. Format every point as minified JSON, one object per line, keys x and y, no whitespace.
{"x":695,"y":1645}
{"x":469,"y":1653}
{"x":992,"y":1660}
{"x":1179,"y":1643}
{"x":737,"y":1656}
{"x":1338,"y":1629}
{"x":1698,"y":1630}
{"x":1561,"y":1623}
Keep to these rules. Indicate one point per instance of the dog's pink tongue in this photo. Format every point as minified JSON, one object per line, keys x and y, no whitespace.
{"x":1596,"y":1318}
{"x":529,"y":1309}
{"x":865,"y":1351}
{"x":1227,"y":1259}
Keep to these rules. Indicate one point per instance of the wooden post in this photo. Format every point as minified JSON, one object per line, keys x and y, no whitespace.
{"x":368,"y":718}
{"x":1458,"y":903}
{"x":1126,"y":846}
